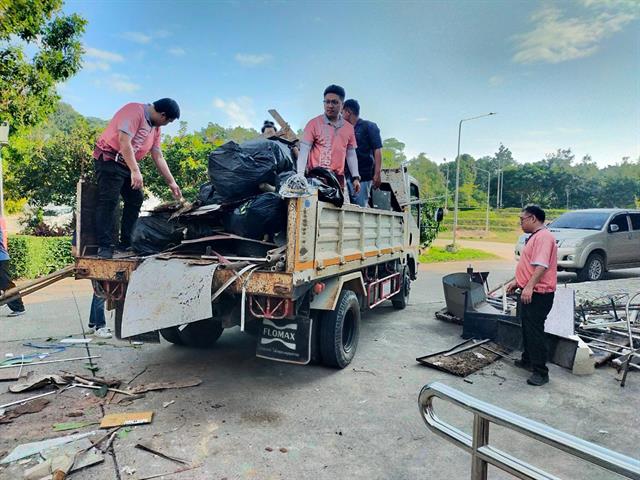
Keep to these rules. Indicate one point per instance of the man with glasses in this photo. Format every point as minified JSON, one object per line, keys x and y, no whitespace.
{"x":536,"y":275}
{"x":328,"y":140}
{"x":132,"y":133}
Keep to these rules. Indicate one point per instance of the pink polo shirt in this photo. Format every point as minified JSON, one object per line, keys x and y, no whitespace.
{"x":132,"y":119}
{"x":328,"y":143}
{"x":540,"y":250}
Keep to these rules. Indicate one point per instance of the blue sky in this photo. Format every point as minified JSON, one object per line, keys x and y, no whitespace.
{"x":560,"y":74}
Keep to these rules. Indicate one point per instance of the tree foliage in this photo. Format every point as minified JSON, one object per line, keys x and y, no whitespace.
{"x":28,"y":82}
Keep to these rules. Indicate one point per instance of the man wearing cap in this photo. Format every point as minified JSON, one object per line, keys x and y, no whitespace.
{"x":132,"y":133}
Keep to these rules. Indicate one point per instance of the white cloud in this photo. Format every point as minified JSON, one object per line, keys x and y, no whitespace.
{"x":240,"y":111}
{"x":102,"y":55}
{"x":496,"y":81}
{"x":122,"y":83}
{"x":422,"y":119}
{"x":137,"y":37}
{"x":556,"y":38}
{"x":252,"y":59}
{"x":177,"y":51}
{"x":96,"y":66}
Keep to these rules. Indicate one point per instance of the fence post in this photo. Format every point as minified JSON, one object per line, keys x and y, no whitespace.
{"x":480,"y":439}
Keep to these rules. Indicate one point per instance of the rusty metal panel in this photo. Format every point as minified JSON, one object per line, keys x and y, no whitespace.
{"x":275,"y":284}
{"x":118,"y":270}
{"x":165,"y":293}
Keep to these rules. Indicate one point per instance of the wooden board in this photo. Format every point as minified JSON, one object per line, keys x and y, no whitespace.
{"x":121,"y":419}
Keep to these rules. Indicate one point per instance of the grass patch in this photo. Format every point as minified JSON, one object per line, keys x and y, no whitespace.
{"x":439,"y":254}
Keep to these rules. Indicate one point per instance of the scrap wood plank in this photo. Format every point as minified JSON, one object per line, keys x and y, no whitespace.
{"x":120,"y":419}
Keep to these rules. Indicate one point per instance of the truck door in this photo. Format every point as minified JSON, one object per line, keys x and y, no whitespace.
{"x":620,"y":241}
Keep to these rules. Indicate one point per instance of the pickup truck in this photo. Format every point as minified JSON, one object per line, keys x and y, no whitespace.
{"x":594,"y":241}
{"x":336,"y":263}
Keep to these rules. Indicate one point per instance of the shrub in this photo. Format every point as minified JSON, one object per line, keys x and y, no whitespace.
{"x":33,"y":257}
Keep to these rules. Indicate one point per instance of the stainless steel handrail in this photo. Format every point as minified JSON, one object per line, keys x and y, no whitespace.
{"x":482,"y":454}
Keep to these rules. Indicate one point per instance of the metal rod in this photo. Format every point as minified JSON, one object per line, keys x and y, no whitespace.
{"x":51,"y":361}
{"x":466,"y":347}
{"x":25,"y":400}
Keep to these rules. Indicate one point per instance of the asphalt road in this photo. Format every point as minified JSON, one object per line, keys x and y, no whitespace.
{"x":359,"y":423}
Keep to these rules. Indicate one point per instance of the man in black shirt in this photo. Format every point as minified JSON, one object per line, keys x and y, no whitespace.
{"x":369,"y":152}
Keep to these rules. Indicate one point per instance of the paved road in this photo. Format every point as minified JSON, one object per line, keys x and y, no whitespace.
{"x":360,"y":422}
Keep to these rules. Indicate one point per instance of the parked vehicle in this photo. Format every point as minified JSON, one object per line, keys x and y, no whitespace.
{"x":594,"y":241}
{"x":334,"y":264}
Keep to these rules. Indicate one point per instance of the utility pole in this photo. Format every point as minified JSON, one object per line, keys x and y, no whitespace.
{"x":486,"y":225}
{"x":4,"y":140}
{"x":566,"y":189}
{"x":446,"y":199}
{"x":452,"y":247}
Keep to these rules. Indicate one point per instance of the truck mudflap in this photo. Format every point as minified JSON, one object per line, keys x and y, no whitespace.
{"x":166,"y":293}
{"x":286,"y":340}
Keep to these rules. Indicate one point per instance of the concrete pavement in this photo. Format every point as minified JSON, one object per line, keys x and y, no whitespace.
{"x":361,"y":422}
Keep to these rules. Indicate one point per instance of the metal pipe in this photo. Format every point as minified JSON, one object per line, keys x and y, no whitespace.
{"x":50,"y":361}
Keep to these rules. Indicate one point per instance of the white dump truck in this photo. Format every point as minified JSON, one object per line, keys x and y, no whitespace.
{"x":303,"y":300}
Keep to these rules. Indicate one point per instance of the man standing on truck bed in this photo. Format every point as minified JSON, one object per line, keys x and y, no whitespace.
{"x":132,"y":133}
{"x":328,"y":140}
{"x":369,"y":152}
{"x":536,"y":275}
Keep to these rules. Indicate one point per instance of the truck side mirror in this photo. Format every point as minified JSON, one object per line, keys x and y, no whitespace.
{"x":439,"y":214}
{"x":613,"y":228}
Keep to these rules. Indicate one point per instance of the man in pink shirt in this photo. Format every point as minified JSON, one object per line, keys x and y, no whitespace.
{"x":132,"y":133}
{"x":328,"y":140}
{"x":536,"y":275}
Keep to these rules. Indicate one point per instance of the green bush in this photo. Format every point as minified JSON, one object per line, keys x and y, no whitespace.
{"x":33,"y":257}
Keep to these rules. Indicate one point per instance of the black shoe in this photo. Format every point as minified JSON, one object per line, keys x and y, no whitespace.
{"x":523,"y":364}
{"x":537,"y":379}
{"x":105,"y":252}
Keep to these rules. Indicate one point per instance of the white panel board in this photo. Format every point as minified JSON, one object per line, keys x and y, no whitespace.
{"x":165,"y":293}
{"x":560,"y":319}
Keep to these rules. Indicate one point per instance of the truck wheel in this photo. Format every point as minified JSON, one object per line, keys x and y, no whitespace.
{"x":593,"y":270}
{"x":201,"y":334}
{"x":401,"y":299}
{"x":340,"y":330}
{"x":172,"y":335}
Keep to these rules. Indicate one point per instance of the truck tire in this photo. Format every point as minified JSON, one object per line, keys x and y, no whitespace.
{"x":340,"y":331}
{"x":201,"y":334}
{"x":172,"y":335}
{"x":593,"y":270}
{"x":401,"y":299}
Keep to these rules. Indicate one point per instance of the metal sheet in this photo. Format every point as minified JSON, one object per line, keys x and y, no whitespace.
{"x":165,"y":293}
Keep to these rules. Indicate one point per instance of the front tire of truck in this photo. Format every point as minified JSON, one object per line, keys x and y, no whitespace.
{"x":340,"y":331}
{"x":401,"y":299}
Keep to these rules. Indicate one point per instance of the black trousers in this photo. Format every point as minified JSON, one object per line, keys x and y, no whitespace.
{"x":6,"y":283}
{"x":114,"y":180}
{"x":533,"y":316}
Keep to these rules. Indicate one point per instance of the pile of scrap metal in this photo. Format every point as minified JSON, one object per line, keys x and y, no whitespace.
{"x":493,"y":315}
{"x":610,"y":325}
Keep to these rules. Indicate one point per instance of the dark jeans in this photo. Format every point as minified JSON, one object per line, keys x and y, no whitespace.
{"x":96,"y":317}
{"x":6,"y":283}
{"x":533,"y":316}
{"x":115,"y":180}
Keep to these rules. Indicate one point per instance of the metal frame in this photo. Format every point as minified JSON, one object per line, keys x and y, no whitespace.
{"x":483,"y":454}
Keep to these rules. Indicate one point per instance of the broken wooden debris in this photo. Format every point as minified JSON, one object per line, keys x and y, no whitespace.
{"x":146,"y":448}
{"x":189,"y":382}
{"x":36,"y":381}
{"x":28,"y":449}
{"x":121,"y":419}
{"x":30,"y":407}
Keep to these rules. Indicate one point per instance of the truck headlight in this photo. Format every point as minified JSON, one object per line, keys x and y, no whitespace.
{"x":570,"y":242}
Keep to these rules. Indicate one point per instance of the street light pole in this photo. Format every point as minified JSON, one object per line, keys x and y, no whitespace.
{"x":446,"y":199}
{"x":486,"y":224}
{"x":455,"y":211}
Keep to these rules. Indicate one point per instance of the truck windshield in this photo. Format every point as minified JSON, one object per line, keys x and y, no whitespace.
{"x":581,"y":220}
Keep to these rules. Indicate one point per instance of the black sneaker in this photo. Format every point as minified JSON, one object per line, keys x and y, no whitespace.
{"x":105,"y":252}
{"x":523,"y":364}
{"x":537,"y":379}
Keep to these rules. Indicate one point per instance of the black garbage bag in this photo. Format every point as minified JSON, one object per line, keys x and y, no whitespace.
{"x":329,"y":189}
{"x":272,"y":149}
{"x":263,"y":214}
{"x":236,"y":175}
{"x":155,"y":233}
{"x":206,"y":194}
